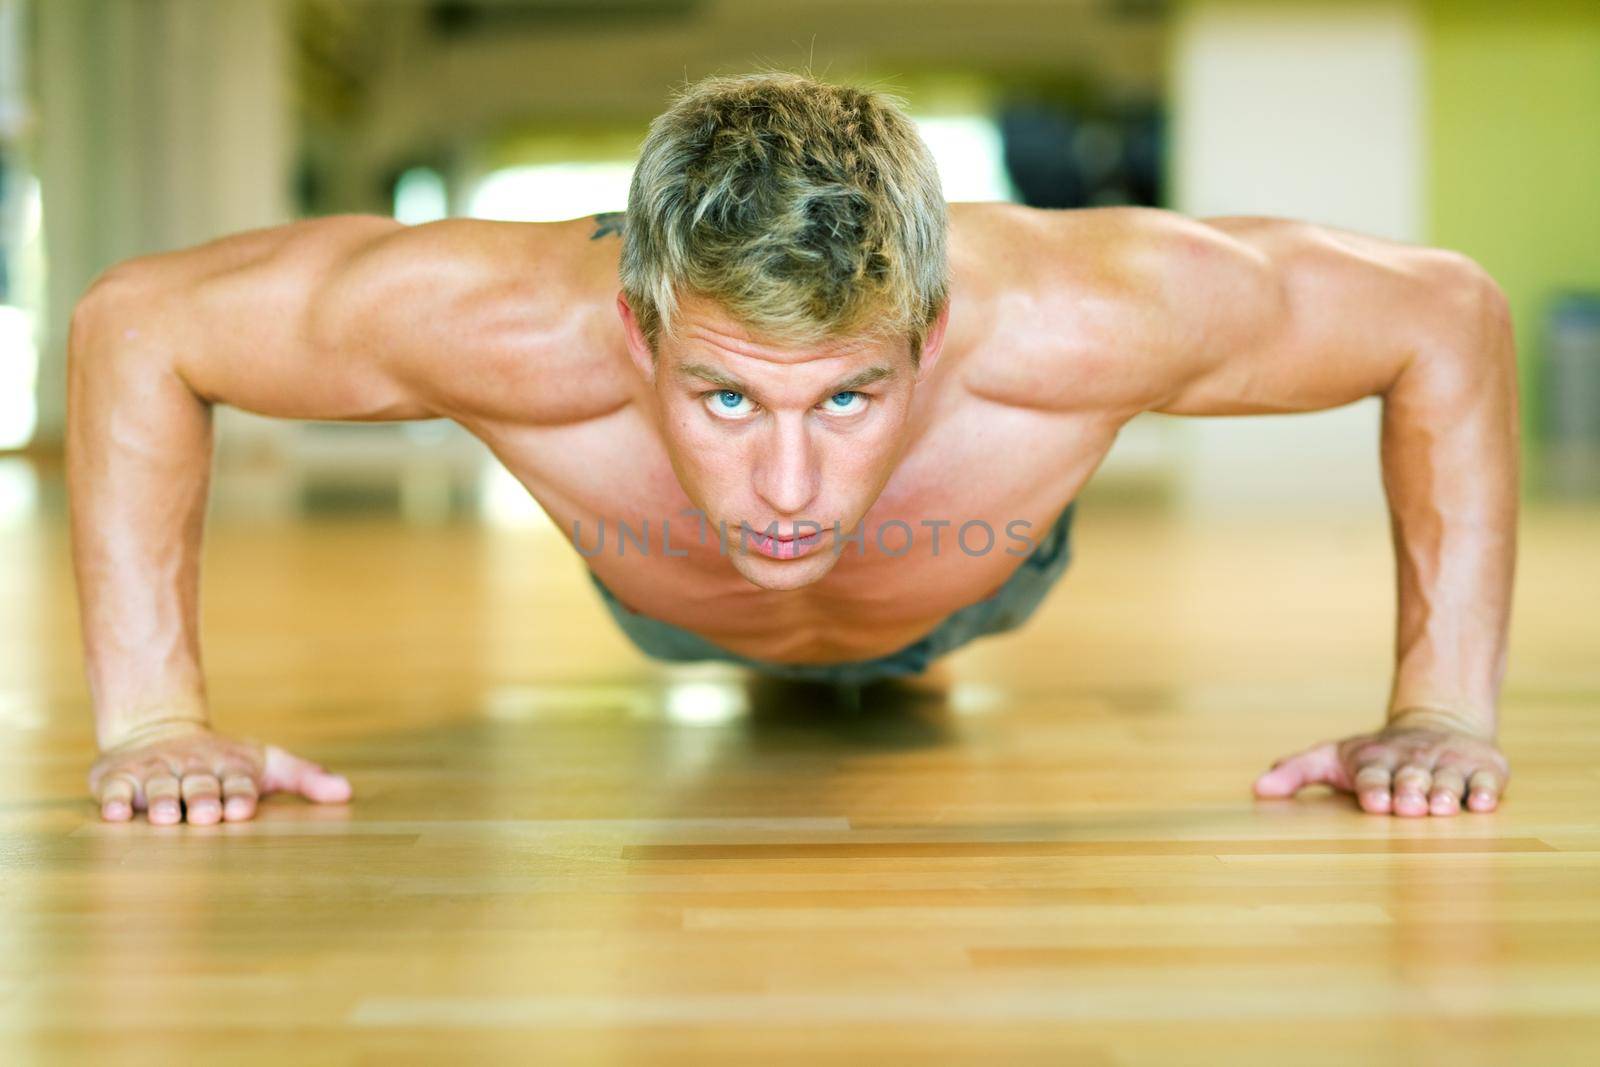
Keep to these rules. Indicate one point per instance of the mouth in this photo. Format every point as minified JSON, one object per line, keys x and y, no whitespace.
{"x":778,"y":547}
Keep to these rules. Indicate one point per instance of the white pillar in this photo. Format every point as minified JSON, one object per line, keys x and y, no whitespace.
{"x":161,"y":124}
{"x":1312,"y":111}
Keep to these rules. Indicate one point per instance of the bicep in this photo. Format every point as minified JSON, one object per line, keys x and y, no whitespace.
{"x":1261,"y":315}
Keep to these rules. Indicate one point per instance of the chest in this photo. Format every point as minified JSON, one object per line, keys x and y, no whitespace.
{"x":979,"y":486}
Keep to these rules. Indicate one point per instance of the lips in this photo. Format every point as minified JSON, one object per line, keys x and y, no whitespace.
{"x":792,"y":546}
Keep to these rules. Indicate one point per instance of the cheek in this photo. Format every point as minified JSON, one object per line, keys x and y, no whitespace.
{"x":681,"y":429}
{"x":855,"y":459}
{"x":699,"y":453}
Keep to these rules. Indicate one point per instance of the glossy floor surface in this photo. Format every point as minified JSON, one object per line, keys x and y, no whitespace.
{"x":1046,"y":852}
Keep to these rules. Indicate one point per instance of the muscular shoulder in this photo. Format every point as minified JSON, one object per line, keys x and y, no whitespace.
{"x":485,"y":320}
{"x":1084,"y":307}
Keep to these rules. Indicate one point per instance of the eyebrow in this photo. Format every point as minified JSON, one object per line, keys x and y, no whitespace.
{"x":862,"y":377}
{"x":723,"y":380}
{"x":707,"y":373}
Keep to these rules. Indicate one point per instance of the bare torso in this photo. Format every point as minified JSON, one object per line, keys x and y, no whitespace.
{"x":977,"y":453}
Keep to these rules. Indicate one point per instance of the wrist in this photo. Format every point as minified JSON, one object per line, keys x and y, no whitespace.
{"x":131,"y":732}
{"x":1436,"y":717}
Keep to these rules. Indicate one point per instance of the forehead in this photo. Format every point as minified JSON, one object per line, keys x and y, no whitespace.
{"x":703,"y":330}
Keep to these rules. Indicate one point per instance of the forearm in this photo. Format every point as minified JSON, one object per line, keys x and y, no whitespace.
{"x":138,"y":468}
{"x":1450,"y":465}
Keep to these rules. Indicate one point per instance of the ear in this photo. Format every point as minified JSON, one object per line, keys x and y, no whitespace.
{"x":933,"y":342}
{"x":638,"y":346}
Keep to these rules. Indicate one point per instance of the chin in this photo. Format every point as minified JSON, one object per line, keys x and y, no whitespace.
{"x":781,"y":575}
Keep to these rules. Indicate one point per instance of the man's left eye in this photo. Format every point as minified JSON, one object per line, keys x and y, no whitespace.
{"x":846,"y":403}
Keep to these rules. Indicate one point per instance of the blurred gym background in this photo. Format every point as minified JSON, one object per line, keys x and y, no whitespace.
{"x":128,"y":126}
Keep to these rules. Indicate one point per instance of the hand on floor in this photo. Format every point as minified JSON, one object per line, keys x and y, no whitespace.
{"x":191,"y":772}
{"x":1421,"y":763}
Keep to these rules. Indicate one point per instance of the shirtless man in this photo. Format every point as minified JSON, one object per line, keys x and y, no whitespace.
{"x":806,"y":338}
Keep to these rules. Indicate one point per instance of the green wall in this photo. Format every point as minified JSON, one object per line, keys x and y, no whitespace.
{"x":1514,"y":152}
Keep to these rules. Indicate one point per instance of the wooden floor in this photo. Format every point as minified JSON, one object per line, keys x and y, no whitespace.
{"x":562,"y":853}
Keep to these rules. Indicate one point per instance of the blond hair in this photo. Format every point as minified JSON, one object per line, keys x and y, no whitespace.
{"x":805,"y":210}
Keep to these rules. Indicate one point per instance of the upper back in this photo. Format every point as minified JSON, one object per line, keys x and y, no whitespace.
{"x":362,"y":318}
{"x":1046,"y":305}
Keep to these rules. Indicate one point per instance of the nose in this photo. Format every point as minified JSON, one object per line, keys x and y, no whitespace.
{"x":786,"y":475}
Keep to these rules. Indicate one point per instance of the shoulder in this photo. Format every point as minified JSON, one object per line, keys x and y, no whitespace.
{"x":1098,"y":250}
{"x":1085,"y":309}
{"x":487,"y":320}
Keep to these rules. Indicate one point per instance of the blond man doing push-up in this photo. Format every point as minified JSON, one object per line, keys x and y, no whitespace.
{"x":834,"y":424}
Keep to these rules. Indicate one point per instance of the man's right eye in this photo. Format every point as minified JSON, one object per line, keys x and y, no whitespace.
{"x":729,"y":404}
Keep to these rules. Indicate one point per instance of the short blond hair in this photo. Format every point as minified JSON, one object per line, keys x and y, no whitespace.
{"x":805,"y":210}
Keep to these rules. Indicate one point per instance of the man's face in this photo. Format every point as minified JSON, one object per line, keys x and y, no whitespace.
{"x":776,"y":443}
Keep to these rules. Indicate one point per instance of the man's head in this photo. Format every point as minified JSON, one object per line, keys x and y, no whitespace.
{"x":784,"y":284}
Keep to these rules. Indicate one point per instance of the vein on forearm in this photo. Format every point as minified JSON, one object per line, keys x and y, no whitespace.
{"x":1450,"y":472}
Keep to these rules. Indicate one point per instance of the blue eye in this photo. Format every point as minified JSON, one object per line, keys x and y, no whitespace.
{"x":849,"y":402}
{"x":728,"y":402}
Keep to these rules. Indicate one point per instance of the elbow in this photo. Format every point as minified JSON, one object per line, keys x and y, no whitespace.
{"x":1469,"y":351}
{"x":1493,"y":308}
{"x":85,"y":326}
{"x":110,"y":313}
{"x":1481,"y":311}
{"x":1497,"y":312}
{"x":115,"y":332}
{"x":1467,"y":323}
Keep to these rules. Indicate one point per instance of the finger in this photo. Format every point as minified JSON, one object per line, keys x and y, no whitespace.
{"x":1483,"y":791}
{"x":1372,"y":783}
{"x":162,"y":792}
{"x":1411,"y":784}
{"x":116,"y":798}
{"x":238,"y":797}
{"x":1445,"y":796}
{"x":202,"y":798}
{"x":292,"y":774}
{"x":1315,"y":766}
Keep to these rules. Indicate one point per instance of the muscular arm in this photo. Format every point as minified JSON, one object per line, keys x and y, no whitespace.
{"x":340,"y":318}
{"x":153,"y":345}
{"x":1266,"y":315}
